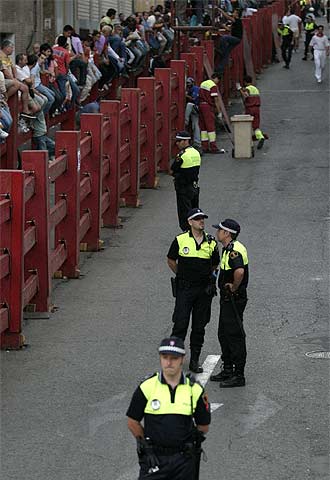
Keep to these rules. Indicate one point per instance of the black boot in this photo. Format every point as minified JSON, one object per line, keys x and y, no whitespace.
{"x":224,"y":374}
{"x":237,"y":380}
{"x":194,"y":365}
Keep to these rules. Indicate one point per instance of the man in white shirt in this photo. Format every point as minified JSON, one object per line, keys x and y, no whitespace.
{"x":321,"y":46}
{"x":293,"y":22}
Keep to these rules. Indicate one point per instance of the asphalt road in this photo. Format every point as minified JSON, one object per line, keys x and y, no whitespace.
{"x":64,"y":398}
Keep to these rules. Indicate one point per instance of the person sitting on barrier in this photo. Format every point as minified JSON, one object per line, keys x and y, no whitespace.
{"x":62,"y":57}
{"x":109,"y":18}
{"x":133,"y":43}
{"x":99,"y":47}
{"x":49,"y":67}
{"x":6,"y":119}
{"x":192,"y":112}
{"x":251,"y":98}
{"x":208,"y":102}
{"x":12,"y":84}
{"x":228,"y":42}
{"x":34,"y":63}
{"x":77,"y":64}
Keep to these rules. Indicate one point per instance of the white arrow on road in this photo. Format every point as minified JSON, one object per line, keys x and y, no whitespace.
{"x":208,"y":367}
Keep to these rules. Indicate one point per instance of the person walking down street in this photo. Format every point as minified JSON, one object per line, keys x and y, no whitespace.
{"x":293,"y":22}
{"x":286,"y":36}
{"x":232,"y":281}
{"x":193,"y":257}
{"x":176,"y":415}
{"x":192,"y":111}
{"x":208,"y":103}
{"x":185,"y":170}
{"x":309,"y":27}
{"x":320,"y":45}
{"x":251,"y":98}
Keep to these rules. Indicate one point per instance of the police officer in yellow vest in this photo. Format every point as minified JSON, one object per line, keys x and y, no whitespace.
{"x":185,"y":170}
{"x":286,"y":35}
{"x":176,"y":416}
{"x":193,"y":257}
{"x":232,"y":281}
{"x":309,"y":27}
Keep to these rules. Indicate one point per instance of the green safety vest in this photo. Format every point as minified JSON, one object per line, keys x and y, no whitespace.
{"x":237,"y":247}
{"x":310,"y":26}
{"x":191,"y":158}
{"x":207,"y":85}
{"x":285,"y":31}
{"x":302,"y":3}
{"x":159,"y":397}
{"x":187,"y":247}
{"x":252,"y":90}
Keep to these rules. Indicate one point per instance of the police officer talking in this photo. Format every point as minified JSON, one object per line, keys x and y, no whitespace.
{"x":176,"y":415}
{"x":194,"y":258}
{"x":185,"y":170}
{"x":232,"y":281}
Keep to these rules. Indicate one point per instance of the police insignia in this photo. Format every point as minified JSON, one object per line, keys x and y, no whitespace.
{"x":155,"y":404}
{"x":233,"y":254}
{"x":185,"y":250}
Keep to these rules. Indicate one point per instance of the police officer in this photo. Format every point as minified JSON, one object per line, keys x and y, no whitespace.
{"x":193,"y":257}
{"x":176,"y":416}
{"x":286,"y":35}
{"x":232,"y":281}
{"x":309,"y":27}
{"x":185,"y":170}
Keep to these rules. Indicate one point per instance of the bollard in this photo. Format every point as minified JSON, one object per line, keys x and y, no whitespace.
{"x":242,"y":125}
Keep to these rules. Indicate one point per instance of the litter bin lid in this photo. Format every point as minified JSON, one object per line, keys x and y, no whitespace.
{"x":241,"y":118}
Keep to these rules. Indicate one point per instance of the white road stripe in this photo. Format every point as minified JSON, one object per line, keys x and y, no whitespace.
{"x":208,"y":367}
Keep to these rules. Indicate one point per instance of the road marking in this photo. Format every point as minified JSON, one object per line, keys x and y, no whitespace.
{"x":208,"y":367}
{"x":259,"y":413}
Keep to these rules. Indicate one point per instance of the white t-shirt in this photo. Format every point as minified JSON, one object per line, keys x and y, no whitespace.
{"x":292,"y":21}
{"x":319,"y":43}
{"x":22,"y":73}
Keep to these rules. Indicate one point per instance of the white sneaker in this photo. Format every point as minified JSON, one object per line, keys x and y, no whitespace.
{"x":3,"y":134}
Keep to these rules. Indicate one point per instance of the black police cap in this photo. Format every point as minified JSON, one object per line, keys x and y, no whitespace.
{"x":183,"y":135}
{"x":229,"y":225}
{"x":172,"y":346}
{"x":196,"y":212}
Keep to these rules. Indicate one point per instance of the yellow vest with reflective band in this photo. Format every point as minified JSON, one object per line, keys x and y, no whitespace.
{"x":191,"y":158}
{"x":309,"y":26}
{"x":207,"y":85}
{"x":187,"y":247}
{"x":302,"y":3}
{"x":237,"y":247}
{"x":285,"y":31}
{"x":253,"y":90}
{"x":159,"y":397}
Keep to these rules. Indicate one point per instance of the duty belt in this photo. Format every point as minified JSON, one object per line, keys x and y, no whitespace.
{"x":167,"y":451}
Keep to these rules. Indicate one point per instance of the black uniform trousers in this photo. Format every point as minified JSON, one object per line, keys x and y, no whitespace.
{"x":173,"y":467}
{"x":286,"y":49}
{"x":308,"y":39}
{"x":195,"y":301}
{"x":187,"y":197}
{"x":230,"y":335}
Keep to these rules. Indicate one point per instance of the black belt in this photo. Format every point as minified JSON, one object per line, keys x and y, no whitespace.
{"x":166,"y":451}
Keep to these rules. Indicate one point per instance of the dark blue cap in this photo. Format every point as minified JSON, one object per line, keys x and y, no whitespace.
{"x":183,"y":135}
{"x":229,"y":225}
{"x":196,"y":212}
{"x":172,"y":346}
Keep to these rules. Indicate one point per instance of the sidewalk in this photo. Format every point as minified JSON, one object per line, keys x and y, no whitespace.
{"x":64,"y":398}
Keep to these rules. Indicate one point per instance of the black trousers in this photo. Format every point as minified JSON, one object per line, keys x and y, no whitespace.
{"x":231,"y":338}
{"x":79,"y":65}
{"x":308,"y":39}
{"x":174,"y":467}
{"x":286,"y":49}
{"x":186,"y":198}
{"x":196,"y":302}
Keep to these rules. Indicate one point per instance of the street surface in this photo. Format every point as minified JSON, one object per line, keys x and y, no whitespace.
{"x":64,"y":398}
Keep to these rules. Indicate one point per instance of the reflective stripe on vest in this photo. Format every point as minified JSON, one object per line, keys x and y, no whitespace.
{"x":191,"y":158}
{"x":238,"y":247}
{"x":159,"y":397}
{"x":187,"y":247}
{"x":284,"y":32}
{"x":207,"y":85}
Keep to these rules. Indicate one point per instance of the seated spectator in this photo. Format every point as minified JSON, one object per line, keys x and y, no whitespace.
{"x":36,"y":48}
{"x":109,"y":18}
{"x":117,"y":61}
{"x":49,"y":67}
{"x":33,"y":63}
{"x":23,"y":74}
{"x":100,"y":47}
{"x":5,"y":116}
{"x":156,"y":61}
{"x":93,"y":73}
{"x":168,"y":32}
{"x":121,"y":18}
{"x":11,"y":82}
{"x":77,"y":64}
{"x":62,"y":58}
{"x":134,"y":43}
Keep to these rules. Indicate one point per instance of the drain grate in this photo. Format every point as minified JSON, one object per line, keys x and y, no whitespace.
{"x":319,"y":354}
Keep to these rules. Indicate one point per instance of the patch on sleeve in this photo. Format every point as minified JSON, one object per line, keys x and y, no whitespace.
{"x":206,"y":401}
{"x":233,"y":254}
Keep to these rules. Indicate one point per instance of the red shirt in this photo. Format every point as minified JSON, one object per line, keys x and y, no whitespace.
{"x":62,"y":56}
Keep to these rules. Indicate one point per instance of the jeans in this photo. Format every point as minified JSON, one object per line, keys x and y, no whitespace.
{"x":81,"y":66}
{"x":48,"y":94}
{"x":61,"y":81}
{"x":45,"y":143}
{"x":227,"y":43}
{"x":192,"y":114}
{"x":6,"y":118}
